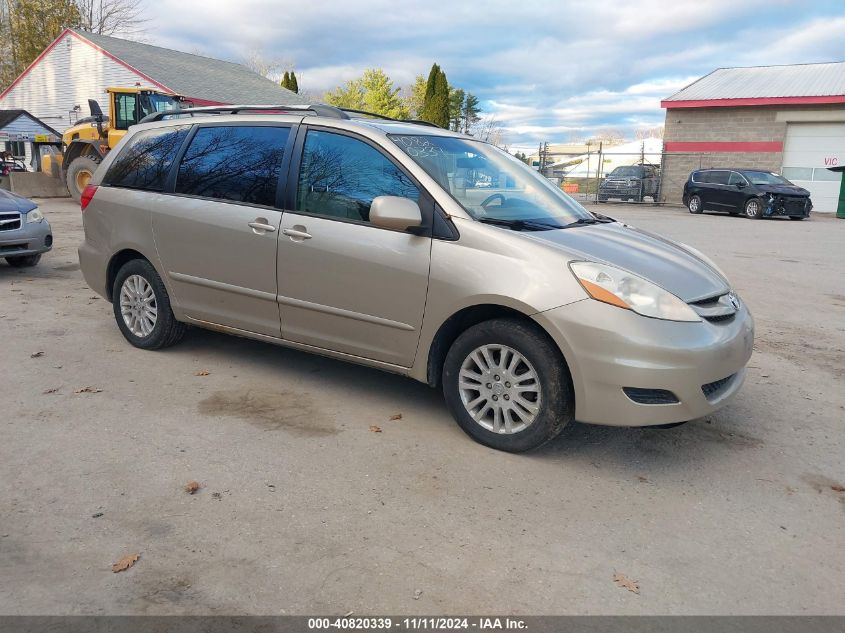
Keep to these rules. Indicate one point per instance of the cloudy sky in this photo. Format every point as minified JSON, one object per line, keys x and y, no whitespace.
{"x":550,"y":70}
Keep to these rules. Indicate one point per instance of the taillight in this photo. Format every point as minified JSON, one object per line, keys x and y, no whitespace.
{"x":87,"y":196}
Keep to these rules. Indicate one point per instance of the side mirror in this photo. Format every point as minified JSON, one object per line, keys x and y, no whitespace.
{"x":393,"y":212}
{"x":740,"y":185}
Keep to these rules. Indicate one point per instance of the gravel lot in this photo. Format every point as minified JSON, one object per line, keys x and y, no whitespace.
{"x":302,"y":509}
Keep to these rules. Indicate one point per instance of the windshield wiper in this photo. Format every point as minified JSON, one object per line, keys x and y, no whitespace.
{"x":585,"y":221}
{"x":519,"y":225}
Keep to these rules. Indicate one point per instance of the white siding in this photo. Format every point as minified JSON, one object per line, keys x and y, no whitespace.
{"x":70,"y":74}
{"x":25,"y":125}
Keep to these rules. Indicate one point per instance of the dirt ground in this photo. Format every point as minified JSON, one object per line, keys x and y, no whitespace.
{"x":303,"y":509}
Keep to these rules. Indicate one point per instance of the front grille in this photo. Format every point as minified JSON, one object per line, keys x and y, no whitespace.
{"x":714,"y":389}
{"x":650,"y":396}
{"x":718,"y":309}
{"x":10,"y":221}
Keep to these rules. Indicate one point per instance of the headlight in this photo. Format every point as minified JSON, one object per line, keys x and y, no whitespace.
{"x":631,"y":292}
{"x":34,"y":216}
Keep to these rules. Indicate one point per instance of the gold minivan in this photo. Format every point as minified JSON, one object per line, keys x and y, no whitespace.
{"x":416,"y":250}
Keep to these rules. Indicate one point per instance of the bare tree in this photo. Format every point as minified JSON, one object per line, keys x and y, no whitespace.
{"x":272,"y":68}
{"x":488,"y":129}
{"x":112,"y":17}
{"x":649,"y":132}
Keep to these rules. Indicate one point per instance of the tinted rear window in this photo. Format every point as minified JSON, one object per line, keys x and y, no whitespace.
{"x":238,"y":163}
{"x":146,"y":160}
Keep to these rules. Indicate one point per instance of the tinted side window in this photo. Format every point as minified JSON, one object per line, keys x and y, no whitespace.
{"x":238,"y":163}
{"x":146,"y":159}
{"x":340,"y":176}
{"x":717,"y":177}
{"x":736,"y":179}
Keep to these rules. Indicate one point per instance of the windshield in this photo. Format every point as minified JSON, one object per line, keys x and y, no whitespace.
{"x":627,"y":172}
{"x":492,"y":185}
{"x":765,"y":178}
{"x":157,"y":103}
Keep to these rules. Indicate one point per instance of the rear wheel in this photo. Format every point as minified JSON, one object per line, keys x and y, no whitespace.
{"x":79,"y":174}
{"x":507,"y":386}
{"x":695,"y":205}
{"x":754,"y":208}
{"x":23,"y":261}
{"x":142,"y":307}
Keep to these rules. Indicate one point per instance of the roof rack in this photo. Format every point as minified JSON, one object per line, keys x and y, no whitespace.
{"x":319,"y":109}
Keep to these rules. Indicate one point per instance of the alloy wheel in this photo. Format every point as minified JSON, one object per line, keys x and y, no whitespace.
{"x":500,"y":389}
{"x":138,"y":305}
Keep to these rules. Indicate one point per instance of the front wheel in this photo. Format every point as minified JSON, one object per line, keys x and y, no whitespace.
{"x":754,"y":209}
{"x":507,"y":385}
{"x":695,"y":205}
{"x":23,"y":261}
{"x":142,"y":307}
{"x":79,"y":174}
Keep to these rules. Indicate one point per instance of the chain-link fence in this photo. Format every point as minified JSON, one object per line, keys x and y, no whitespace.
{"x":642,"y":177}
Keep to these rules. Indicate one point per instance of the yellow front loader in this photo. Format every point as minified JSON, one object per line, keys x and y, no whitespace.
{"x":85,"y":144}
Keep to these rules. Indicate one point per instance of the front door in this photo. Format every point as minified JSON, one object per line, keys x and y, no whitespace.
{"x":217,"y":234}
{"x":345,"y":284}
{"x":735,"y":192}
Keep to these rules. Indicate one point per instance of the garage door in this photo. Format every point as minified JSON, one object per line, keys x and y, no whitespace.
{"x":809,"y":149}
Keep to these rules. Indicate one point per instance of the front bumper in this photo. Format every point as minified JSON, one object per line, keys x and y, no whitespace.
{"x":29,"y":239}
{"x":609,"y":349}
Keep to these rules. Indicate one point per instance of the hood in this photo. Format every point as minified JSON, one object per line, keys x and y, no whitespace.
{"x":661,"y":261}
{"x":12,"y":202}
{"x":784,"y":190}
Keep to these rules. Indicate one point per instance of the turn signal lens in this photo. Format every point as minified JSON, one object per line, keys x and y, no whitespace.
{"x":87,"y":196}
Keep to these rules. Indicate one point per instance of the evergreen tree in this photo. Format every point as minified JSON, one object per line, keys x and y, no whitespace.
{"x":372,"y":92}
{"x":415,"y":98}
{"x":440,"y":102}
{"x":294,"y":85}
{"x":285,"y":83}
{"x":456,"y":108}
{"x":470,"y":113}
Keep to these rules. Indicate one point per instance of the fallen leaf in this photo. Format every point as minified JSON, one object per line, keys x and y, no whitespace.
{"x":88,"y":390}
{"x":375,"y":429}
{"x":96,"y":515}
{"x":125,"y":563}
{"x":202,"y":372}
{"x":417,"y":594}
{"x":838,"y":488}
{"x":192,"y":486}
{"x":623,"y":581}
{"x":397,"y":416}
{"x":53,"y":390}
{"x":642,"y":479}
{"x":36,"y":355}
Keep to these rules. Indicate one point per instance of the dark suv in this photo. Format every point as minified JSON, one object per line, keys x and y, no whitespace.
{"x":633,"y":182}
{"x":756,"y":193}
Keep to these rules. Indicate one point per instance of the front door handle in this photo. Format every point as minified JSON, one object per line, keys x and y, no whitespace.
{"x":260,"y":226}
{"x":296,"y":235}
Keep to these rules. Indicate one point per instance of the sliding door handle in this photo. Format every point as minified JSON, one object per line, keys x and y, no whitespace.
{"x":296,"y":235}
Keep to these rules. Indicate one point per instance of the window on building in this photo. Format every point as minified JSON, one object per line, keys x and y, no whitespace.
{"x":16,"y":148}
{"x":145,"y":161}
{"x":340,"y":176}
{"x":240,"y":164}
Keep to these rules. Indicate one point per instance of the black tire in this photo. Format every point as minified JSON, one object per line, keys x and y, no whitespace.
{"x":557,"y":402}
{"x":79,"y":166}
{"x":23,"y":261}
{"x":695,"y":205}
{"x":754,"y":208}
{"x":167,"y":330}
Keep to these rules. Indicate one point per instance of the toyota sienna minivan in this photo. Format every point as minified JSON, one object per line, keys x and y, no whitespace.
{"x":415,"y":250}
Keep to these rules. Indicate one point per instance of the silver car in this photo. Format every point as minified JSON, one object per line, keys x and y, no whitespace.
{"x":24,"y":231}
{"x":415,"y":250}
